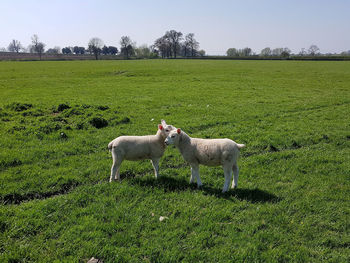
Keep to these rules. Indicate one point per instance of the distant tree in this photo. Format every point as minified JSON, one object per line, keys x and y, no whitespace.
{"x":55,"y":50}
{"x":79,"y":50}
{"x":277,"y":52}
{"x":15,"y":46}
{"x":286,"y":52}
{"x":193,"y":44}
{"x":95,"y":46}
{"x":76,"y":50}
{"x":175,"y":37}
{"x":345,"y":53}
{"x":126,"y":46}
{"x":247,"y":52}
{"x":143,"y":51}
{"x":313,"y":50}
{"x":232,"y":52}
{"x":2,"y":49}
{"x":163,"y":46}
{"x":105,"y":50}
{"x":201,"y":52}
{"x":66,"y":50}
{"x":266,"y":52}
{"x":37,"y":46}
{"x":302,"y":52}
{"x":112,"y":50}
{"x":185,"y":49}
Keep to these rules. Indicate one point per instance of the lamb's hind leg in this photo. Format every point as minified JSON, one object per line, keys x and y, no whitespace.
{"x":155,"y":163}
{"x":235,"y":176}
{"x":228,"y":175}
{"x":117,"y":160}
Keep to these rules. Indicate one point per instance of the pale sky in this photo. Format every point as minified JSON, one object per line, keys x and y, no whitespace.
{"x":217,"y":25}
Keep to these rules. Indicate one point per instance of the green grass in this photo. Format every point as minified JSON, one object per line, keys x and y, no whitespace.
{"x":292,"y":204}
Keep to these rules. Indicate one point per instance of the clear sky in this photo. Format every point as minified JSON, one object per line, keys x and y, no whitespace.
{"x":217,"y":25}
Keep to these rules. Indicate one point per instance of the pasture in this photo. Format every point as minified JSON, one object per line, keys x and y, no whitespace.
{"x":292,"y":204}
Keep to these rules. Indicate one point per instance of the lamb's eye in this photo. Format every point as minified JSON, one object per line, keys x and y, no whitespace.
{"x":167,"y":130}
{"x":172,"y":136}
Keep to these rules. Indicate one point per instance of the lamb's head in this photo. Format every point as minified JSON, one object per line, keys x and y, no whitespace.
{"x":173,"y":137}
{"x":164,"y":129}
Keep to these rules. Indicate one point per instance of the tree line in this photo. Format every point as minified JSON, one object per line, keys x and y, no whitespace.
{"x":313,"y":50}
{"x":171,"y":45}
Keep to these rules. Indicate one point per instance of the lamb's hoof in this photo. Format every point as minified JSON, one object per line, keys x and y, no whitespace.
{"x":234,"y":187}
{"x":113,"y":180}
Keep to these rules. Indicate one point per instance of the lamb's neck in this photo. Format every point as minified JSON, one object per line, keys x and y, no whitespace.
{"x":160,"y":138}
{"x":184,"y":142}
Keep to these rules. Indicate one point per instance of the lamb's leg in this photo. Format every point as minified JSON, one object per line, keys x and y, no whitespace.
{"x":155,"y":163}
{"x":115,"y":167}
{"x":195,"y":174}
{"x":228,"y":175}
{"x":235,"y":176}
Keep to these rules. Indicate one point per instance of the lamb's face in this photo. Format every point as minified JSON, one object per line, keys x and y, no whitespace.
{"x":173,"y":137}
{"x":165,"y":128}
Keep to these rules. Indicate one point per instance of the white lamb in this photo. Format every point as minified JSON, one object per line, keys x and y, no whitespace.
{"x":209,"y":152}
{"x":135,"y":148}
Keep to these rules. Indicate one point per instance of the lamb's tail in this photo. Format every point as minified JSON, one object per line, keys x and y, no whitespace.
{"x":240,"y":146}
{"x":110,"y":146}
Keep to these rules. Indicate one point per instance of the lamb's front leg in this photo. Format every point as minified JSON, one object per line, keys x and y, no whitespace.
{"x":195,"y":174}
{"x":155,"y":163}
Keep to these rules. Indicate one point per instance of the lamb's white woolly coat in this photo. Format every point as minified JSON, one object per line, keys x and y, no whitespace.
{"x":209,"y":152}
{"x":135,"y":148}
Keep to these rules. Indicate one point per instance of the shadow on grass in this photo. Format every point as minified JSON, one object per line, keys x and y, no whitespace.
{"x":178,"y":184}
{"x":17,"y":198}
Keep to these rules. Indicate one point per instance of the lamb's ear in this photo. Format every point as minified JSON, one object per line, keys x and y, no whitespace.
{"x":160,"y":127}
{"x":178,"y":131}
{"x":163,"y":123}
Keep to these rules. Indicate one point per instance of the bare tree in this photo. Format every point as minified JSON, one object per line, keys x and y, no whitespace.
{"x":185,"y":48}
{"x":164,"y":46}
{"x":277,"y":51}
{"x":302,"y":52}
{"x":175,"y":38}
{"x":266,"y":52}
{"x":286,"y":52}
{"x":15,"y":46}
{"x":193,"y":44}
{"x":143,"y":51}
{"x":247,"y":52}
{"x":313,"y":50}
{"x":126,"y":46}
{"x":95,"y":46}
{"x":37,"y":46}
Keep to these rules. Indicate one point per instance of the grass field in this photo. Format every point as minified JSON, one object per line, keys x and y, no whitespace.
{"x":292,"y":204}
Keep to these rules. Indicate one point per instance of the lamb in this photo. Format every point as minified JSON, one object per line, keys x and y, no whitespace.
{"x":209,"y":152}
{"x":135,"y":148}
